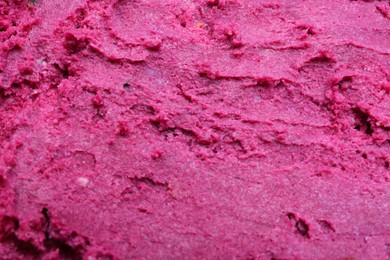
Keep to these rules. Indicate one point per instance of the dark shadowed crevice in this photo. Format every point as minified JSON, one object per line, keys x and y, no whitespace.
{"x":51,"y":243}
{"x":45,"y":214}
{"x":64,"y":70}
{"x":362,"y":121}
{"x":8,"y":227}
{"x":302,"y":228}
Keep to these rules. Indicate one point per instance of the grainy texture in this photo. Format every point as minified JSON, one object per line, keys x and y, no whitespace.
{"x":192,"y":129}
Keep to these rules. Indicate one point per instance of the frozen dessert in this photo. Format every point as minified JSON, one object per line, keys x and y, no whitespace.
{"x":192,"y":129}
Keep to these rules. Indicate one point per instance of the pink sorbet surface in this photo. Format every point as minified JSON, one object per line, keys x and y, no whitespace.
{"x":194,"y":129}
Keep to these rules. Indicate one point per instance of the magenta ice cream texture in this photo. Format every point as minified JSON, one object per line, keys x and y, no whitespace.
{"x":229,"y":129}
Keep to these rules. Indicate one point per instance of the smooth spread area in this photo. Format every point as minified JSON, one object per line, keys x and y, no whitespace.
{"x":194,"y":129}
